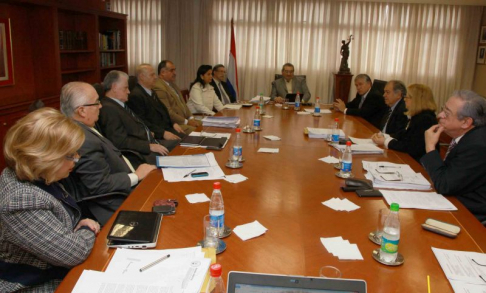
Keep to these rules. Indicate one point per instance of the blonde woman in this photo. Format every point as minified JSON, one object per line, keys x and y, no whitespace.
{"x":421,"y":109}
{"x":42,"y":234}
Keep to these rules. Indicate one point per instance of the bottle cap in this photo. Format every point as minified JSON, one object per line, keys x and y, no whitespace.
{"x":238,"y":130}
{"x":394,"y":207}
{"x":216,"y":185}
{"x":258,"y":107}
{"x":215,"y":270}
{"x":336,"y":119}
{"x":348,"y":143}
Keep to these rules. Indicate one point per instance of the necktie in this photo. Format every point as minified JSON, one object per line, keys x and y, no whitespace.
{"x":223,"y":94}
{"x":451,"y":146}
{"x":384,"y":120}
{"x":149,"y":135}
{"x":361,"y":102}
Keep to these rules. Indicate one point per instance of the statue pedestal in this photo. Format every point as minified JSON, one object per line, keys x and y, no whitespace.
{"x":342,"y":85}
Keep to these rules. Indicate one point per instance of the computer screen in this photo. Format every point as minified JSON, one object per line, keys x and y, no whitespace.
{"x":245,"y":288}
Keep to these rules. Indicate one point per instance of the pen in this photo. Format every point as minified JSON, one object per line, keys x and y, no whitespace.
{"x":154,"y":263}
{"x":185,"y":176}
{"x":428,"y":283}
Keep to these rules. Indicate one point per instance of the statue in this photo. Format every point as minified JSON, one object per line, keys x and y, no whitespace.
{"x":344,"y":68}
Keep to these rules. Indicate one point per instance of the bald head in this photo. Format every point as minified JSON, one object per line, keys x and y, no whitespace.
{"x":146,"y":75}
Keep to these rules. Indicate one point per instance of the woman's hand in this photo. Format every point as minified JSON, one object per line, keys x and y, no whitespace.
{"x":91,"y":224}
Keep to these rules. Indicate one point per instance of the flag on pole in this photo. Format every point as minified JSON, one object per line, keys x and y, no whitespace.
{"x":232,"y":68}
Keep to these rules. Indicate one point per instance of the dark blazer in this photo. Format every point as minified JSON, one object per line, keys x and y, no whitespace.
{"x":373,"y":108}
{"x":101,"y":169}
{"x":152,"y":111}
{"x":398,"y":120}
{"x":412,"y":140}
{"x":463,"y":172}
{"x":226,"y":89}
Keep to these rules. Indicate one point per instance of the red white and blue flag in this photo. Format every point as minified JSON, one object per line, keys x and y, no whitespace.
{"x":232,"y":68}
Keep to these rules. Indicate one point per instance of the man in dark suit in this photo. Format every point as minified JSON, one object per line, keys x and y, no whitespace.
{"x":220,"y":86}
{"x":122,"y":126}
{"x":144,"y":102}
{"x":394,"y":121}
{"x":368,"y":103}
{"x":289,"y":84}
{"x":462,"y":172}
{"x":101,"y":167}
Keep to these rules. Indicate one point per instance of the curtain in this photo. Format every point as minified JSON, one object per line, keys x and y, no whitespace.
{"x":417,"y":43}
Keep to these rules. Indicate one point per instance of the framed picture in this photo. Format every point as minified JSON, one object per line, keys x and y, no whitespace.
{"x":481,"y":54}
{"x":6,"y":59}
{"x":482,"y":37}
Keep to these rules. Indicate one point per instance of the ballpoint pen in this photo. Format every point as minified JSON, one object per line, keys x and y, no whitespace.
{"x":185,"y":176}
{"x":154,"y":263}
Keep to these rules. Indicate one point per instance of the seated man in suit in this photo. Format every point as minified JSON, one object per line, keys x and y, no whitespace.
{"x":123,"y":127}
{"x":368,"y":103}
{"x":462,"y":172}
{"x":394,"y":120}
{"x":101,"y":167}
{"x":220,"y":86}
{"x":168,"y":92}
{"x":289,"y":84}
{"x":143,"y":101}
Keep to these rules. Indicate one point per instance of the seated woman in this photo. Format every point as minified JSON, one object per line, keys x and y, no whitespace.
{"x":421,"y":114}
{"x":42,"y":235}
{"x":203,"y":98}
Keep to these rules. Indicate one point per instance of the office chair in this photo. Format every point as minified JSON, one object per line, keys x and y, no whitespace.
{"x":379,"y":86}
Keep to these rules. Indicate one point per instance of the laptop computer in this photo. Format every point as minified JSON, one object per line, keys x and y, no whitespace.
{"x":244,"y":282}
{"x":135,"y":229}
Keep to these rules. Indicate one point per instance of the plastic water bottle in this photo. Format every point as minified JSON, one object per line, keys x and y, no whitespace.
{"x":347,"y":161}
{"x":297,"y":102}
{"x":216,"y":208}
{"x":215,"y":283}
{"x":262,"y":104}
{"x":335,"y":131}
{"x":317,"y":107}
{"x":236,"y":151}
{"x":391,"y":235}
{"x":257,"y":120}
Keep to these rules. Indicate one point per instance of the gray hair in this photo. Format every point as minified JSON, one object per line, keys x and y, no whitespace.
{"x":474,"y":106}
{"x":366,"y":77}
{"x":111,"y":78}
{"x":399,"y":86}
{"x":73,"y":95}
{"x":142,"y":68}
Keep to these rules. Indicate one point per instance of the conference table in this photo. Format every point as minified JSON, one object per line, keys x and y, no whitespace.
{"x":284,"y":192}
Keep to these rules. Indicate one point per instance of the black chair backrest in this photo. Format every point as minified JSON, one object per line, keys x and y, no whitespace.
{"x":132,"y":82}
{"x":99,"y":89}
{"x":379,"y":85}
{"x":277,"y":76}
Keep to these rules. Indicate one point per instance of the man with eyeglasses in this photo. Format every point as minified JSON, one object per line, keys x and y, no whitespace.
{"x":100,"y":167}
{"x":220,"y":85}
{"x":289,"y":84}
{"x":462,"y":172}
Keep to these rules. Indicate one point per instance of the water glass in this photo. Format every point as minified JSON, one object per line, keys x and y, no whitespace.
{"x":330,"y":272}
{"x":210,"y":233}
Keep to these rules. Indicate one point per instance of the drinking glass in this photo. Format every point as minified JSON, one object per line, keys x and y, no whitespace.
{"x":330,"y":272}
{"x":210,"y":233}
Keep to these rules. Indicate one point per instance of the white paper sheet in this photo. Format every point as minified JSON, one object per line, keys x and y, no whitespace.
{"x":235,"y":178}
{"x":177,"y":174}
{"x":410,"y":179}
{"x":267,"y":116}
{"x":268,"y":150}
{"x":418,"y":200}
{"x":250,"y":230}
{"x":340,"y":204}
{"x":197,"y":197}
{"x":322,"y":132}
{"x":362,"y":140}
{"x":272,"y":137}
{"x":303,"y":113}
{"x":459,"y":265}
{"x":357,"y":149}
{"x":342,"y":248}
{"x":232,"y":106}
{"x":190,"y":161}
{"x":329,"y":160}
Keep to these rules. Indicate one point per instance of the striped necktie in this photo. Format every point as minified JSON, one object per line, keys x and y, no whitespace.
{"x":150,"y":138}
{"x":452,"y":145}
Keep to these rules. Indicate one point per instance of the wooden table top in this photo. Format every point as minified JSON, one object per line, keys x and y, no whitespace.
{"x":284,"y":193}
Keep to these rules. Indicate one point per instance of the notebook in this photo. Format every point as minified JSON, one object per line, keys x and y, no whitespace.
{"x":135,"y":229}
{"x":212,"y":142}
{"x":243,"y":282}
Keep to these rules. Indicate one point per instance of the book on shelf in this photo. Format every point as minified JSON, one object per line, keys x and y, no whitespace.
{"x":108,"y":59}
{"x":110,"y":40}
{"x":73,"y":40}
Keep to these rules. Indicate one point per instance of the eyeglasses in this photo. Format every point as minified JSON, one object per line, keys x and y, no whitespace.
{"x":74,"y":157}
{"x":447,"y":112}
{"x":98,"y":102}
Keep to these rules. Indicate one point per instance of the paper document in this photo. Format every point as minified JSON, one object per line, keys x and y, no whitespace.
{"x":362,"y":140}
{"x":232,"y":106}
{"x":322,"y":132}
{"x":183,"y":174}
{"x":342,"y":248}
{"x":191,"y":161}
{"x":221,"y":121}
{"x":358,"y":149}
{"x":418,"y":200}
{"x":257,"y":99}
{"x":197,"y":197}
{"x":268,"y":150}
{"x":272,"y":137}
{"x":407,"y":178}
{"x":250,"y":230}
{"x":338,"y":204}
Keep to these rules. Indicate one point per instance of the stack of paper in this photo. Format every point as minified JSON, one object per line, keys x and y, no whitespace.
{"x":250,"y":230}
{"x":268,"y":150}
{"x":221,"y":121}
{"x":272,"y":137}
{"x":257,"y":99}
{"x":323,"y":132}
{"x":338,"y":204}
{"x":197,"y":197}
{"x":177,"y":169}
{"x":184,"y":271}
{"x":232,"y":106}
{"x":418,"y":200}
{"x":304,"y":113}
{"x":235,"y":178}
{"x":361,"y":140}
{"x":329,"y":160}
{"x":403,"y":176}
{"x":464,"y":270}
{"x":341,"y":248}
{"x":323,"y":111}
{"x":358,"y":149}
{"x":267,"y":116}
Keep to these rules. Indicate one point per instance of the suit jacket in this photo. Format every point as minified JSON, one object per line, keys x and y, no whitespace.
{"x":412,"y":141}
{"x":398,"y":120}
{"x":175,"y":104}
{"x":225,"y":88}
{"x":279,"y":89}
{"x":152,"y":111}
{"x":463,"y":172}
{"x":372,"y":110}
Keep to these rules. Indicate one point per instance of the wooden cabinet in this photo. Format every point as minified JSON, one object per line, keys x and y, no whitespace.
{"x":43,"y":59}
